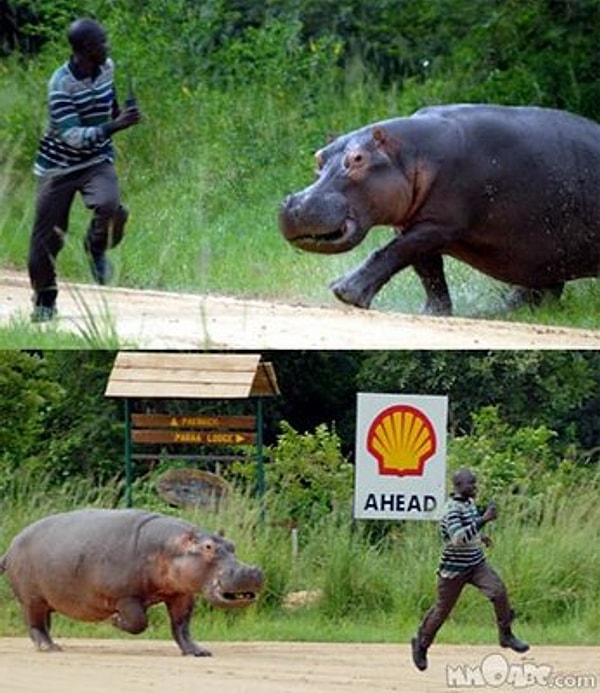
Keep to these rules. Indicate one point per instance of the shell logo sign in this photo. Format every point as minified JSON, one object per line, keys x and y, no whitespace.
{"x":400,"y":470}
{"x":402,"y":439}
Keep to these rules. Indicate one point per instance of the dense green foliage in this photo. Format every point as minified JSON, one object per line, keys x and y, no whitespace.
{"x":534,"y":410}
{"x":539,"y":50}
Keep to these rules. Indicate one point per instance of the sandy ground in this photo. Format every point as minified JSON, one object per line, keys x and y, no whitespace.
{"x":161,"y":320}
{"x":136,"y":665}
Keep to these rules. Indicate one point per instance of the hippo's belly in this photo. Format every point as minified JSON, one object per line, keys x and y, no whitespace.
{"x":527,"y":261}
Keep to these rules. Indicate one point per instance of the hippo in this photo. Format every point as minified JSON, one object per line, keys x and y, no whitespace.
{"x":94,"y":564}
{"x":513,"y":191}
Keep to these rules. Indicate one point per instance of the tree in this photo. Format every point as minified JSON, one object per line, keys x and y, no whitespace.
{"x":317,"y":387}
{"x":83,"y":430}
{"x":27,"y":392}
{"x":530,"y":388}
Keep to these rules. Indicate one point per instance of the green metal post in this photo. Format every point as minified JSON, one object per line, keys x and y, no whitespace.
{"x":128,"y":462}
{"x":260,"y":467}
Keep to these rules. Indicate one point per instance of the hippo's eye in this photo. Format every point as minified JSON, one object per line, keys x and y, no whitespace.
{"x":353,"y":159}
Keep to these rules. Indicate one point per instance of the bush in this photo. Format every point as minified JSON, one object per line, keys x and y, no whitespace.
{"x":308,"y":474}
{"x":507,"y":459}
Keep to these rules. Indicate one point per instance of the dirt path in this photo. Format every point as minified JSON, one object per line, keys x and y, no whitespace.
{"x":136,"y":665}
{"x":161,"y":320}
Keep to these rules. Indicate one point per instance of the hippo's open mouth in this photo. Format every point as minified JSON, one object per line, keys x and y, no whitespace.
{"x":345,"y":237}
{"x":232,"y":600}
{"x":224,"y":597}
{"x":239,"y":596}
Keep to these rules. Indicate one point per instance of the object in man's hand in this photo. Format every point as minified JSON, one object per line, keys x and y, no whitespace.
{"x":130,"y":100}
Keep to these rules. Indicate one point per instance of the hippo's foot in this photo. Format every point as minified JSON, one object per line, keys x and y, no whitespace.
{"x":53,"y":647}
{"x":437,"y":306}
{"x":524,"y":296}
{"x":350,"y":291}
{"x":196,"y":650}
{"x":42,"y":641}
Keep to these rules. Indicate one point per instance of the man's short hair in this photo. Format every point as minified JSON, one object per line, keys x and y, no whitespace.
{"x":84,"y":31}
{"x":460,"y":474}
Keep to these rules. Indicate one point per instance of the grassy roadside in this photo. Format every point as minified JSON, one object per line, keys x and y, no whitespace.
{"x":204,"y":176}
{"x":371,"y":590}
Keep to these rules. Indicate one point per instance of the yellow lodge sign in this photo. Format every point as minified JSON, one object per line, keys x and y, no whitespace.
{"x":400,"y":470}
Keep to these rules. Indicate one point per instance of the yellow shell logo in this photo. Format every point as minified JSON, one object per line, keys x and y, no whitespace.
{"x":402,"y":439}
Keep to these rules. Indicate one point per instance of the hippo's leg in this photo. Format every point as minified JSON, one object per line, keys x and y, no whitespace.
{"x":130,"y":616}
{"x":431,"y":274}
{"x":37,"y":615}
{"x":181,"y":608}
{"x":359,"y":287}
{"x":524,"y":296}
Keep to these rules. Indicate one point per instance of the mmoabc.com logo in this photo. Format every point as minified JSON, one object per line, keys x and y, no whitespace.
{"x":495,"y":671}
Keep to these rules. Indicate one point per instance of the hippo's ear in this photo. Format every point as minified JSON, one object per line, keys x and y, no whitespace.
{"x":384,"y":140}
{"x":379,"y":135}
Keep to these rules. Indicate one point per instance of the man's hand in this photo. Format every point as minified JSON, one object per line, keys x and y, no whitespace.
{"x":486,"y":541}
{"x":490,"y":512}
{"x":126,"y":118}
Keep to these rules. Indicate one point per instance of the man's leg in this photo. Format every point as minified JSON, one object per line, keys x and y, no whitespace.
{"x":489,"y":582}
{"x":448,"y":591}
{"x":100,"y":191}
{"x":53,"y":203}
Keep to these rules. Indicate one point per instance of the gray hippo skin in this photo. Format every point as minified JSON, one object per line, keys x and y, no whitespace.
{"x":512,"y":191}
{"x":92,"y":565}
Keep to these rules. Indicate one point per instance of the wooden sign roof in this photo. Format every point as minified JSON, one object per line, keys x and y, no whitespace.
{"x":193,"y":375}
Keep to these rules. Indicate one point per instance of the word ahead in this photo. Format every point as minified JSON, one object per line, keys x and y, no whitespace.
{"x":400,"y":503}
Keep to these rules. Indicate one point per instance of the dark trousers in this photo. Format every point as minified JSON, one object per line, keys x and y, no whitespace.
{"x":99,"y":189}
{"x":485,"y":578}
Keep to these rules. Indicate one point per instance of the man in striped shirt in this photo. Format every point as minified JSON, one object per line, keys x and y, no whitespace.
{"x":463,"y":562}
{"x":76,"y":154}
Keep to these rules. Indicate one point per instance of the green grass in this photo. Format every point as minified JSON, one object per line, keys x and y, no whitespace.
{"x":203,"y":179}
{"x":371,"y":592}
{"x":95,"y":330}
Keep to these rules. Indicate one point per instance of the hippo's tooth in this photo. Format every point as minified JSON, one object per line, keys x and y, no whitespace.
{"x":235,"y":596}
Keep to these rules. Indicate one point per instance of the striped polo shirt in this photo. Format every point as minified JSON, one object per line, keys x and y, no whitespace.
{"x":77,"y":108}
{"x":459,"y":529}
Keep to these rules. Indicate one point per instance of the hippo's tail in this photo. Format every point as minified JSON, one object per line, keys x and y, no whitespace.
{"x":3,"y":561}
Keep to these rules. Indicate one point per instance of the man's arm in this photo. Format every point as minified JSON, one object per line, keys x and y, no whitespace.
{"x":459,"y":533}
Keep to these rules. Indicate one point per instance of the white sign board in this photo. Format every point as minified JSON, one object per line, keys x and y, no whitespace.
{"x":400,"y":469}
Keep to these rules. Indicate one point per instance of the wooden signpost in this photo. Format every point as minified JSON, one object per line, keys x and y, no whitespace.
{"x":199,"y":376}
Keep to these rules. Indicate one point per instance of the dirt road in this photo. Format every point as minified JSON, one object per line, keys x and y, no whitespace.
{"x":161,"y":320}
{"x":136,"y":665}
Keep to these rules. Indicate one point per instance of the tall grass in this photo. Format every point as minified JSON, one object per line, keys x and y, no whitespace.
{"x":367,"y":589}
{"x":204,"y":175}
